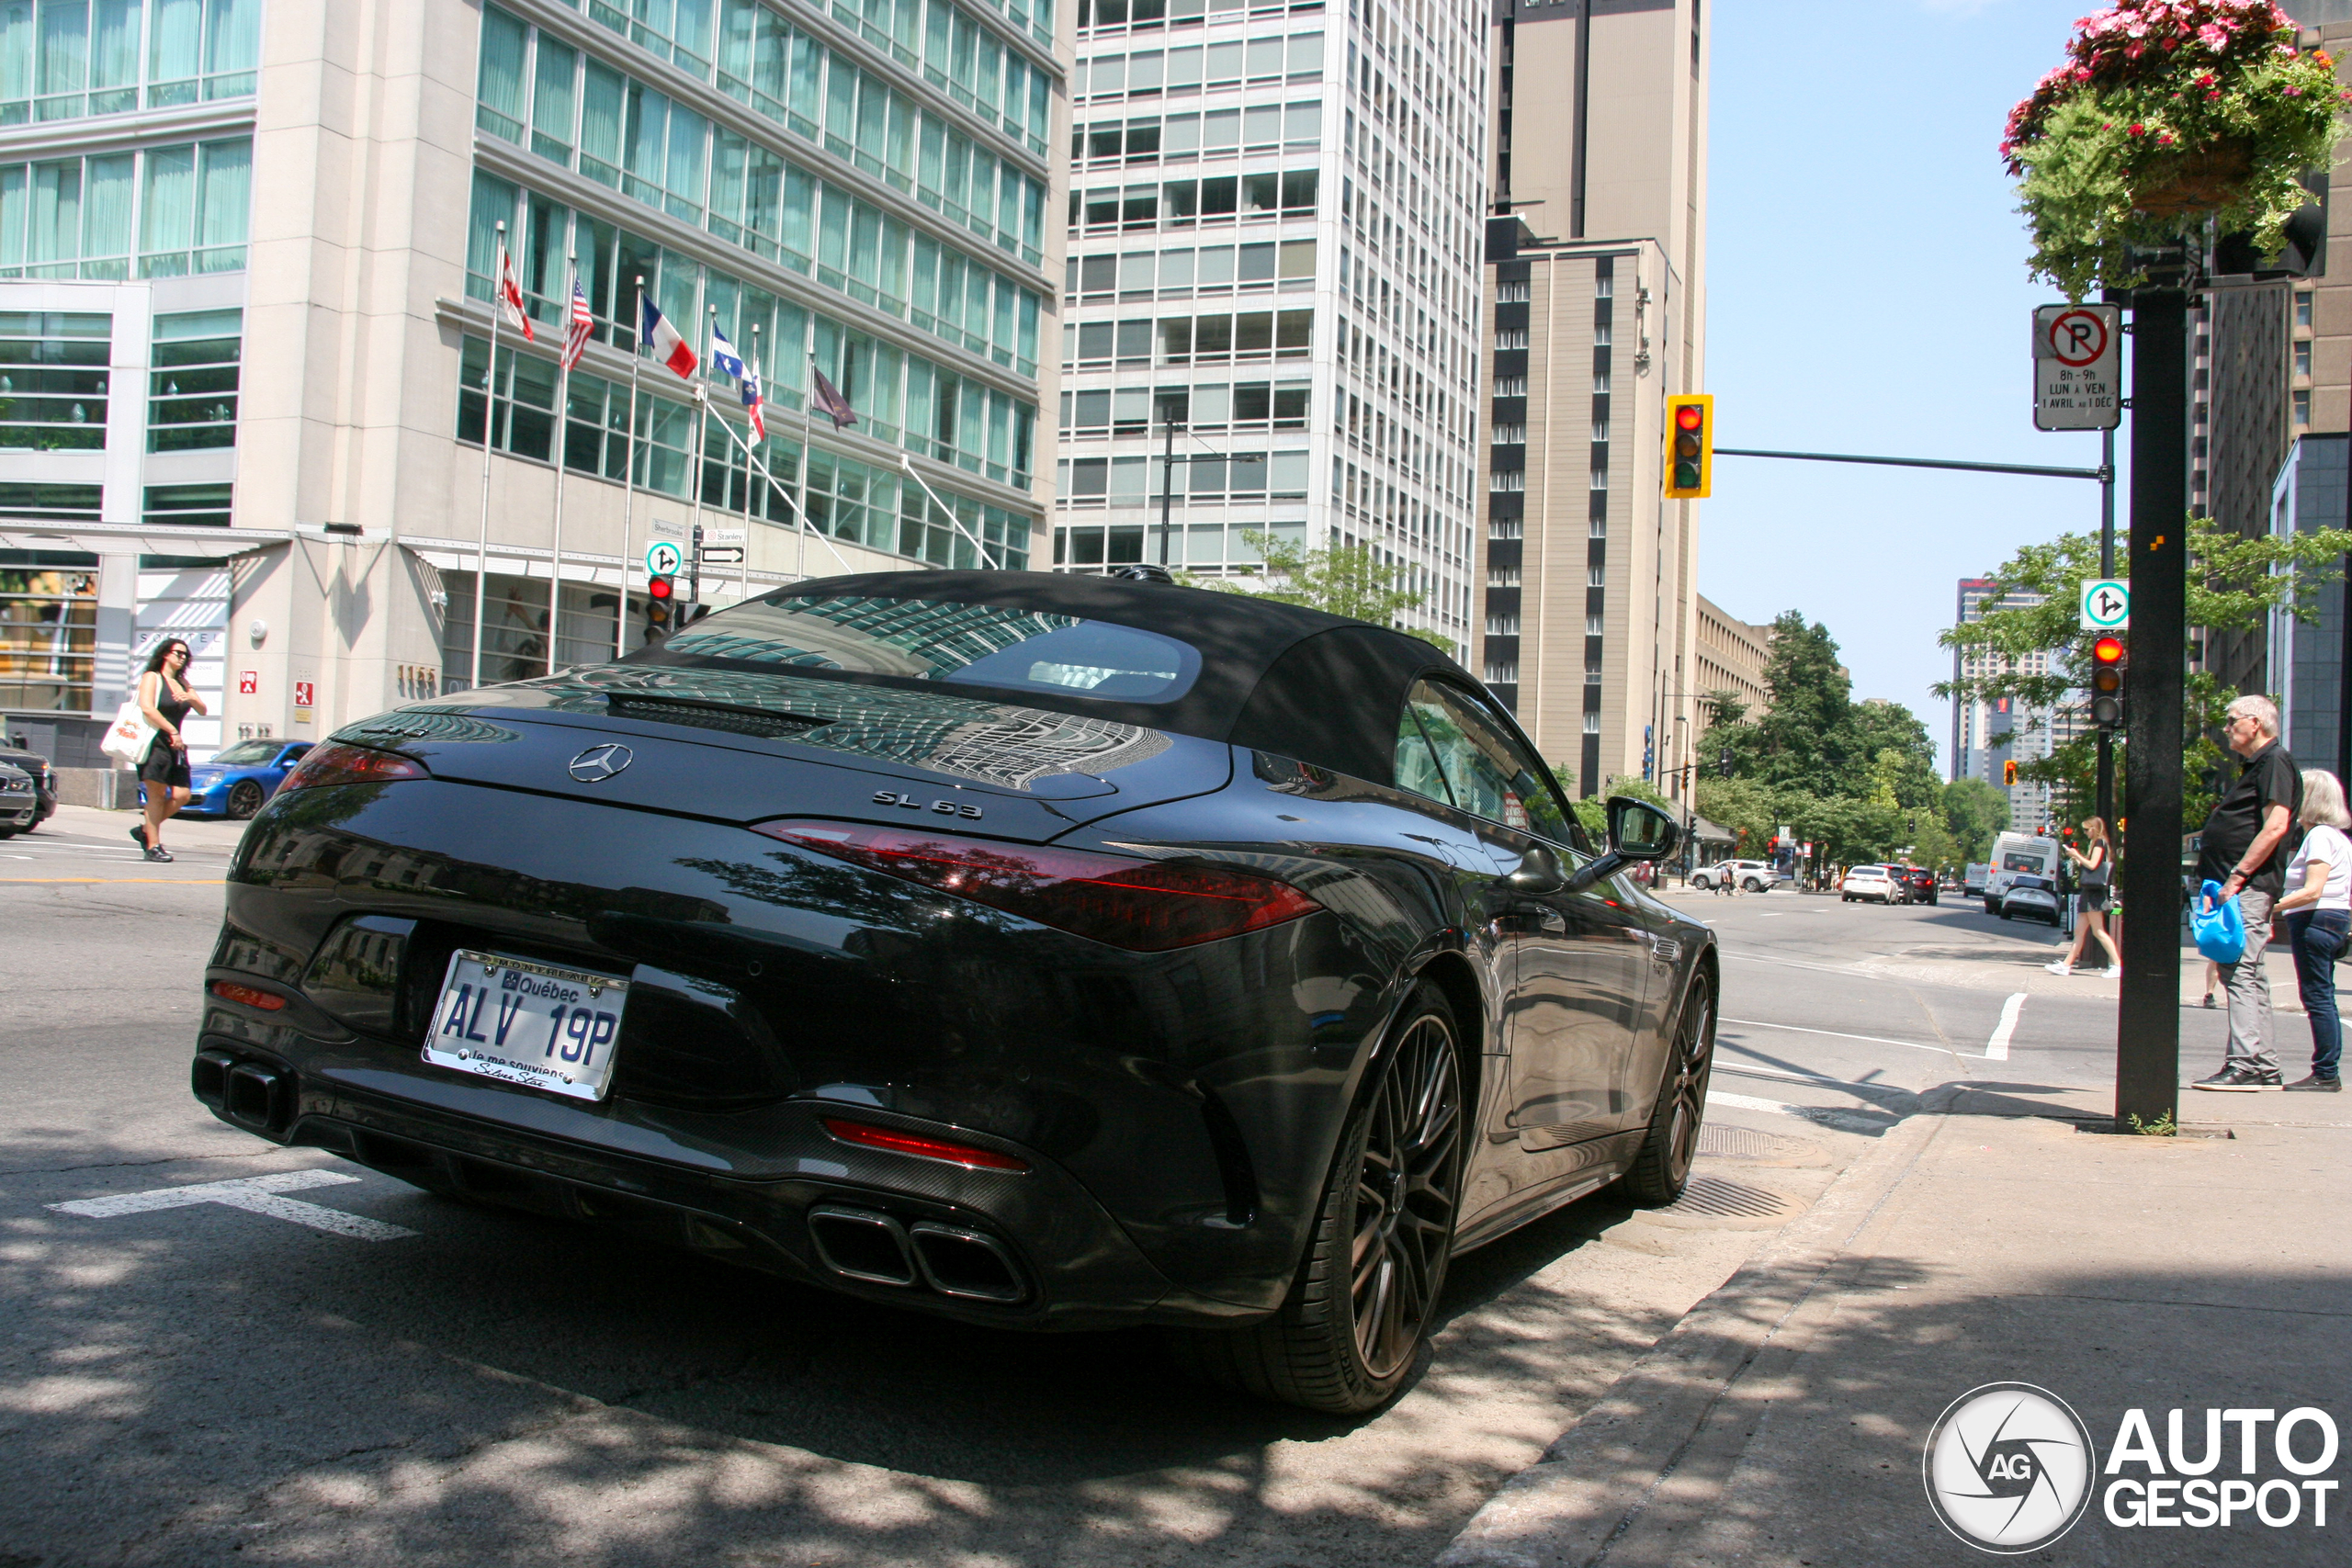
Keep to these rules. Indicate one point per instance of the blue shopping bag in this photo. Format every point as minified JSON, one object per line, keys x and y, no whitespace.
{"x":2218,"y":926}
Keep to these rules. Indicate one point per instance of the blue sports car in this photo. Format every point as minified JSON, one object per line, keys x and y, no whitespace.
{"x":236,"y":782}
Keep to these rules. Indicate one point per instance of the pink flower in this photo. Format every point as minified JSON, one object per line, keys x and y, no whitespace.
{"x":2213,"y":37}
{"x":2165,"y":139}
{"x":2294,"y":92}
{"x":2138,"y":130}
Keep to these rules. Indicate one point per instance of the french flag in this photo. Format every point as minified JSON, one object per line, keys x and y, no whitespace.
{"x":668,"y":346}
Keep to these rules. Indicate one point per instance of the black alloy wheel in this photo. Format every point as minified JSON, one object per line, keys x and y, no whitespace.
{"x":1351,"y":1331}
{"x":244,"y":799}
{"x":1662,"y":1169}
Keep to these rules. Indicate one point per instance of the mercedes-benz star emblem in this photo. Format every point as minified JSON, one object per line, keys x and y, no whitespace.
{"x":599,"y":763}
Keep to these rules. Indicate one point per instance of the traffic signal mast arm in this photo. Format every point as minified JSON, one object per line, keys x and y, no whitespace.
{"x":2036,"y":469}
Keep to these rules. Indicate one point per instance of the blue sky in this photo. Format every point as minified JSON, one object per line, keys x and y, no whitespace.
{"x":1867,"y":293}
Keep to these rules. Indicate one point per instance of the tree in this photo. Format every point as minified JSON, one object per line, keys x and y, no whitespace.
{"x":1345,"y":579}
{"x":1592,"y":811}
{"x":1744,"y":808}
{"x":2234,"y":583}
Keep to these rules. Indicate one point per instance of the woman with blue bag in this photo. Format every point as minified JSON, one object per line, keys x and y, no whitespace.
{"x":2318,"y":911}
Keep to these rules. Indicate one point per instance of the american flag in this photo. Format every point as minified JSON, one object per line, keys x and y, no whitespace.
{"x":583,"y":321}
{"x":511,"y":298}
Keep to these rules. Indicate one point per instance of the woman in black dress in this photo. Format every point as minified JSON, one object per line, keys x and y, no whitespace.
{"x":2097,"y":859}
{"x":166,"y":700}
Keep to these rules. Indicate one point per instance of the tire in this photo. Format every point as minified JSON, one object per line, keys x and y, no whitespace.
{"x":1662,"y":1168}
{"x":244,"y":798}
{"x":1347,"y":1338}
{"x":2003,"y":912}
{"x":1753,"y":885}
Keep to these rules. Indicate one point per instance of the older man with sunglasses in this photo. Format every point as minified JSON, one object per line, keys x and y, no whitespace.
{"x":2244,"y":849}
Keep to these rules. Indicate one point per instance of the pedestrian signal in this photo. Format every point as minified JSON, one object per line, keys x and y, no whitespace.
{"x":1690,"y":445}
{"x":2009,"y":772}
{"x":2106,"y":682}
{"x":661,"y":606}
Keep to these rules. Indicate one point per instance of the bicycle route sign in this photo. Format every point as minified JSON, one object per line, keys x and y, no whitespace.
{"x":2077,"y":367}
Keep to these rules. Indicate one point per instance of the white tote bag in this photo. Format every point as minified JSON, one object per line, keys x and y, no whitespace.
{"x":129,"y":734}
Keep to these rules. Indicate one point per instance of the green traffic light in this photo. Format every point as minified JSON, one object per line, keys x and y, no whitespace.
{"x":1686,"y":476}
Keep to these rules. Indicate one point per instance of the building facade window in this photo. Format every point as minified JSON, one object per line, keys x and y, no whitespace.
{"x":192,"y":382}
{"x":54,"y":380}
{"x":2303,"y":409}
{"x":181,"y":506}
{"x":67,"y":59}
{"x":48,"y":627}
{"x":163,"y":212}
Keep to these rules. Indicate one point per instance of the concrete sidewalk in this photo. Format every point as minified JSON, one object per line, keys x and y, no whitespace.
{"x":1990,"y":1239}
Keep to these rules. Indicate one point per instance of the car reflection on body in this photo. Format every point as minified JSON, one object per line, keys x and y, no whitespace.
{"x":237,"y":781}
{"x":2030,"y":897}
{"x":1041,"y":951}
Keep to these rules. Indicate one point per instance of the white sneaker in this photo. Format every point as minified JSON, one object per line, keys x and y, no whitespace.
{"x":2060,"y":967}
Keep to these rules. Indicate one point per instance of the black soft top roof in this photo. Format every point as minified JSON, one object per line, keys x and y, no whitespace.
{"x":1319,"y":688}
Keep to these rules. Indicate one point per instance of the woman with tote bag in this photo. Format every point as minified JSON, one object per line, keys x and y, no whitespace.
{"x":163,"y":702}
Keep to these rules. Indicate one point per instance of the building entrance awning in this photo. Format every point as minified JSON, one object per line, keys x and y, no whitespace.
{"x":134,"y":539}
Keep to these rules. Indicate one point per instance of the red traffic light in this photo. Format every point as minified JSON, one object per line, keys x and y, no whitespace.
{"x":2108,"y":650}
{"x":660,"y":588}
{"x":1689,"y":416}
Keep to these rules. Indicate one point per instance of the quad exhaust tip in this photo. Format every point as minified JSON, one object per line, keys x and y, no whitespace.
{"x":968,"y":1265}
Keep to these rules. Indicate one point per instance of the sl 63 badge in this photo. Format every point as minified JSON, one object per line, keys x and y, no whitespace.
{"x":908,"y":802}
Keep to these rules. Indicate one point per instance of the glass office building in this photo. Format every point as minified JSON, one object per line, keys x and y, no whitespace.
{"x":248,"y":256}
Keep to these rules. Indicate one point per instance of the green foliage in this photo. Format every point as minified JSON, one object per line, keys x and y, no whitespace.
{"x":1973,"y":813}
{"x":2167,"y":112}
{"x":1350,"y":581}
{"x":2235,"y":583}
{"x":1593,"y":811}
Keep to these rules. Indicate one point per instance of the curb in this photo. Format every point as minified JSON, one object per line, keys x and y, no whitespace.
{"x":1567,"y":1509}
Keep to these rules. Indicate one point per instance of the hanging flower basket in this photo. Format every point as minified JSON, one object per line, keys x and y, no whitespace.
{"x":2168,"y":113}
{"x":2197,"y":183}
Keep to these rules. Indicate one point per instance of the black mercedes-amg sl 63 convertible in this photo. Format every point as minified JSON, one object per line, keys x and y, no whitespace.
{"x":1049,"y":952}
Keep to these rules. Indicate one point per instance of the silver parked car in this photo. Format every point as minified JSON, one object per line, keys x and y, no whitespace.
{"x":19,"y":801}
{"x":2030,"y":898}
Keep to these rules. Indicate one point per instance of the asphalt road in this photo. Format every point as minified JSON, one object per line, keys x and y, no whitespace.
{"x":452,"y":1384}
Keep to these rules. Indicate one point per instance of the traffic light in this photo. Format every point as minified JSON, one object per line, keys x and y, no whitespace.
{"x":2106,"y":682}
{"x":2009,"y":772}
{"x":661,"y":606}
{"x":1690,"y":445}
{"x":1722,"y":762}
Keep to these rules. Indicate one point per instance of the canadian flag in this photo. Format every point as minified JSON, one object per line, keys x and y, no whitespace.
{"x":668,"y":346}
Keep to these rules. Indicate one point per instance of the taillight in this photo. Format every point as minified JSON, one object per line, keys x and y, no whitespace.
{"x":268,"y":1001}
{"x":890,"y":1138}
{"x":1142,"y":906}
{"x":338,"y":763}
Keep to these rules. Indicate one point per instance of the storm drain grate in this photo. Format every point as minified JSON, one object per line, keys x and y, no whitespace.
{"x":1739,"y":1142}
{"x":1712,"y":1195}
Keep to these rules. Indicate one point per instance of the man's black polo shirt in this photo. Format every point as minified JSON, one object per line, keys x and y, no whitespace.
{"x":2268,"y":777}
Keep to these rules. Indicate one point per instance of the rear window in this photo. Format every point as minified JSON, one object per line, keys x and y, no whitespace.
{"x":935,"y":639}
{"x":245,"y":753}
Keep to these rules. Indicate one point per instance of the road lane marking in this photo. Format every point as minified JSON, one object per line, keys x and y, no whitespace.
{"x":1997,"y":1048}
{"x":255,"y":1194}
{"x":1749,"y":1102}
{"x":1834,"y":1034}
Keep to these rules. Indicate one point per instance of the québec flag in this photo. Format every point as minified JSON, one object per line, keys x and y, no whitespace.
{"x":723,"y":357}
{"x":668,"y":346}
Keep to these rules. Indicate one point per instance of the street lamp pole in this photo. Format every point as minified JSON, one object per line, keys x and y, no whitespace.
{"x":1166,"y":479}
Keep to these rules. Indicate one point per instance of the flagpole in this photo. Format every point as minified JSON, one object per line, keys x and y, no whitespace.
{"x":807,"y":396}
{"x":800,"y":517}
{"x":907,"y":462}
{"x":744,"y":590}
{"x":563,"y":428}
{"x":489,"y":425}
{"x":628,"y":468}
{"x":702,"y":436}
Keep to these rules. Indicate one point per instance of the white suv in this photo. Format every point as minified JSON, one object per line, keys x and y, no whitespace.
{"x":1872,"y":882}
{"x":1750,"y":876}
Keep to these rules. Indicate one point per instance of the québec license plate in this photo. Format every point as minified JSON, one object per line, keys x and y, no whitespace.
{"x":522,"y":1022}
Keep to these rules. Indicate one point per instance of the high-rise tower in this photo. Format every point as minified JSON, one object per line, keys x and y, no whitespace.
{"x":1596,"y":296}
{"x":1272,"y":286}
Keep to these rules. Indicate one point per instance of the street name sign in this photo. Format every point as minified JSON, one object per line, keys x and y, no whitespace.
{"x":2077,"y":367}
{"x":2105,"y":605}
{"x":664,"y":558}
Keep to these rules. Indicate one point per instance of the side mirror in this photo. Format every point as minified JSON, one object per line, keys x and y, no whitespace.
{"x":1539,"y":872}
{"x":1639,"y":831}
